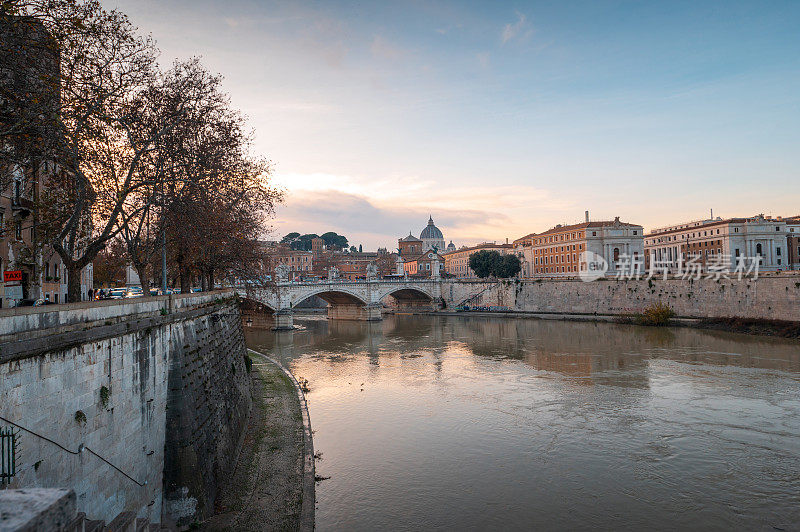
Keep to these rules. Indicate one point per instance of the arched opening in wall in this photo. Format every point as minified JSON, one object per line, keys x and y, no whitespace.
{"x":408,"y":299}
{"x":255,"y":314}
{"x":759,"y":250}
{"x":340,"y":305}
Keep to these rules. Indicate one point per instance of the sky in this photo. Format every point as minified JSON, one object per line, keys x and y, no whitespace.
{"x":501,"y":119}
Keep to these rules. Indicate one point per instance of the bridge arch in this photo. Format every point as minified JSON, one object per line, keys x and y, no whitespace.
{"x":408,"y":297}
{"x":332,"y":296}
{"x":247,"y":304}
{"x":256,"y":313}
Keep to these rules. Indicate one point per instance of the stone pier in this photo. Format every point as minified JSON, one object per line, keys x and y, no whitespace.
{"x":284,"y":320}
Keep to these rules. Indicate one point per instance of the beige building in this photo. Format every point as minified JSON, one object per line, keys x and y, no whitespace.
{"x":456,"y":263}
{"x":557,"y":251}
{"x":716,"y":239}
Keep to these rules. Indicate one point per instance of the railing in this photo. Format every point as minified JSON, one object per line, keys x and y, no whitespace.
{"x":81,"y":448}
{"x":8,"y":454}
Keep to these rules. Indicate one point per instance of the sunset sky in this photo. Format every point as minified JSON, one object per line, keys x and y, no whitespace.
{"x":502,"y":119}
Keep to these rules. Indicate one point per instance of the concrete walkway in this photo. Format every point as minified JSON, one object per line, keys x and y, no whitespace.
{"x":266,"y":490}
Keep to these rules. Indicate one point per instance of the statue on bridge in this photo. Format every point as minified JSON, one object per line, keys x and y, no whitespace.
{"x":372,"y":271}
{"x":282,"y":273}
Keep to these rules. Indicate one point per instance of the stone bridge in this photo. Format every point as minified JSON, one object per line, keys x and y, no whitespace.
{"x":347,"y":300}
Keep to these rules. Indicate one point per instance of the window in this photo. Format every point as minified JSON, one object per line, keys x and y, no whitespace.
{"x":758,"y":249}
{"x":778,"y":252}
{"x":777,"y":228}
{"x":594,"y":233}
{"x":18,"y":230}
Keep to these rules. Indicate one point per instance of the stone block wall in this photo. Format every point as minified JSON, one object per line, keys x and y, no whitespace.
{"x":768,"y":297}
{"x":208,"y":403}
{"x":95,"y":385}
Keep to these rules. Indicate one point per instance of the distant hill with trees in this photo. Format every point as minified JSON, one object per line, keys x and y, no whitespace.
{"x":303,"y":242}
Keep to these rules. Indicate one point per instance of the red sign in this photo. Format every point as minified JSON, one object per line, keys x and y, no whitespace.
{"x":12,"y":276}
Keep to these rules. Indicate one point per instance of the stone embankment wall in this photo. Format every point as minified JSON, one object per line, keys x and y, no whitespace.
{"x":137,"y":405}
{"x":768,"y":297}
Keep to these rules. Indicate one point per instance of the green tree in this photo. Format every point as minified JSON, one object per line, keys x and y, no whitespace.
{"x":291,"y":237}
{"x":484,"y":263}
{"x":332,"y":240}
{"x":508,"y":266}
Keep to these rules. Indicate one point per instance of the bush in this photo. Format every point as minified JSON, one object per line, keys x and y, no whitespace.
{"x":656,"y":314}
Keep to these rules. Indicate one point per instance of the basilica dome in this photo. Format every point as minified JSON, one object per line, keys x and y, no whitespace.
{"x":432,"y":237}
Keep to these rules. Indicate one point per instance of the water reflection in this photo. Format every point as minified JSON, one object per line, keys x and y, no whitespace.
{"x":474,"y":423}
{"x":569,"y":348}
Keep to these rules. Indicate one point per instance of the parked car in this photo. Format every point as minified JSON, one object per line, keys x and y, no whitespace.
{"x":117,"y":293}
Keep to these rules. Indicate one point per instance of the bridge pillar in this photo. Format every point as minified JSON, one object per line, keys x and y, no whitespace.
{"x":284,"y":320}
{"x":372,"y":311}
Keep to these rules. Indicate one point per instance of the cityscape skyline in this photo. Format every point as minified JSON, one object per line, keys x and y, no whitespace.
{"x":504,"y":119}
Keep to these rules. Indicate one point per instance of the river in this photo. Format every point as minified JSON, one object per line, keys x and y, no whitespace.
{"x":468,"y":423}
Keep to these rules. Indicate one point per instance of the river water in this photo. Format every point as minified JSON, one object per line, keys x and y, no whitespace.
{"x":467,"y":423}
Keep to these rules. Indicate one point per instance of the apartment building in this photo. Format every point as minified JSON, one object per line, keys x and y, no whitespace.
{"x":716,"y":239}
{"x":557,"y":251}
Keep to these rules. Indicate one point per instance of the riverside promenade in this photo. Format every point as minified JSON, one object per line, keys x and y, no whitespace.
{"x":272,"y":487}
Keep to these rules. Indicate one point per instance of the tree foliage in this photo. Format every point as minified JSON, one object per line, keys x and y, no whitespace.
{"x":303,"y":242}
{"x":486,"y":263}
{"x":147,"y":156}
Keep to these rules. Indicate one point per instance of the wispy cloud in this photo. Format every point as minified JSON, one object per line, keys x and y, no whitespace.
{"x":378,"y":212}
{"x":518,"y":30}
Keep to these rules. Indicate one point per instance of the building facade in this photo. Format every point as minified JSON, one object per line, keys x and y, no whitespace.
{"x":557,"y":251}
{"x":717,"y":240}
{"x":456,"y":263}
{"x":793,"y":242}
{"x":424,"y":265}
{"x":31,"y":268}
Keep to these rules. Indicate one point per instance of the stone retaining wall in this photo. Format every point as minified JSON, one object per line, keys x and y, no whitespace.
{"x":106,"y":379}
{"x":769,"y":297}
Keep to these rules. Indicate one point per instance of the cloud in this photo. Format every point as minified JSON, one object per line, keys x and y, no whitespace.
{"x":365,"y":221}
{"x":483,"y":59}
{"x":377,"y":212}
{"x":518,"y":30}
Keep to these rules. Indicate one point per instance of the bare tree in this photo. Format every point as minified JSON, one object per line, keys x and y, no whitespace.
{"x":103,"y":135}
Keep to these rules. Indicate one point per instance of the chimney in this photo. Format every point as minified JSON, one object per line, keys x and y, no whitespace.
{"x":506,"y":240}
{"x":587,"y":216}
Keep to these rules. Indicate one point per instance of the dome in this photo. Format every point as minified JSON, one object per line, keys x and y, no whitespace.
{"x":431,"y":232}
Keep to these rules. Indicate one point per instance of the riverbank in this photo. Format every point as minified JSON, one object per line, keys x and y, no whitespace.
{"x":756,"y":327}
{"x":272,"y":487}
